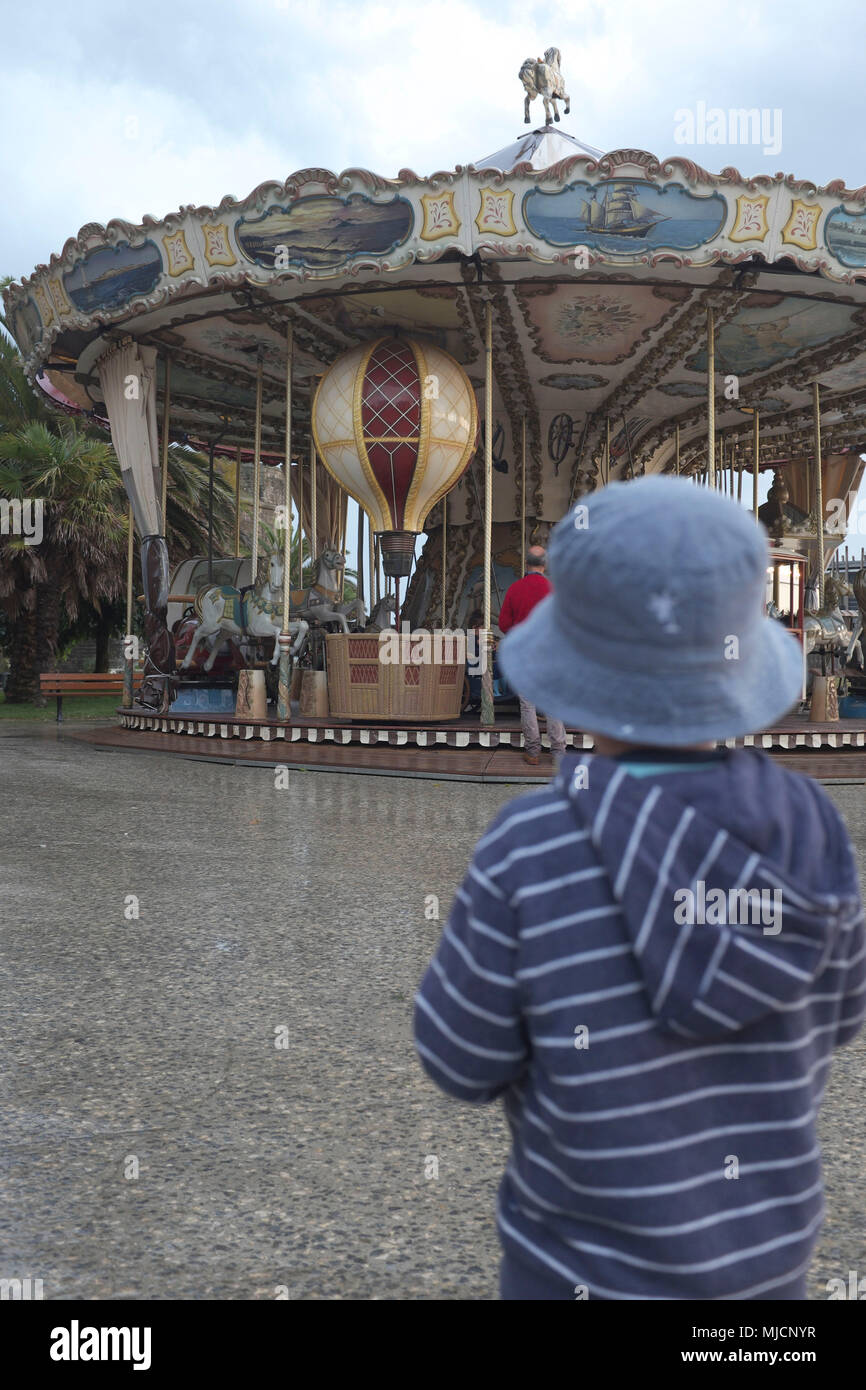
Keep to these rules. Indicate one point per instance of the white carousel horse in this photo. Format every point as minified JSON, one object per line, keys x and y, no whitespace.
{"x":320,"y":603}
{"x":226,"y":612}
{"x":380,"y":618}
{"x":544,"y":79}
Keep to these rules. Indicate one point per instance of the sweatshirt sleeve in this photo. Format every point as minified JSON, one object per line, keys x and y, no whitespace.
{"x":850,"y":948}
{"x":853,"y":1010}
{"x":468,"y":1029}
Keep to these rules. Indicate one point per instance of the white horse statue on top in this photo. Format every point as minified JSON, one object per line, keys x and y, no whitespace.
{"x":223,"y":612}
{"x":542,"y":78}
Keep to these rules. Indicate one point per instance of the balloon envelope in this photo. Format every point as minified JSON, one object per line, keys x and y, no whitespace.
{"x":395,"y":422}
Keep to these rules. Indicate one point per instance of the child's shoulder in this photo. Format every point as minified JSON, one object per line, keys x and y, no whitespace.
{"x":525,"y":825}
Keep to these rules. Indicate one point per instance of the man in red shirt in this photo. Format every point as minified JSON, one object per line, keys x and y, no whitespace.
{"x":517,"y":605}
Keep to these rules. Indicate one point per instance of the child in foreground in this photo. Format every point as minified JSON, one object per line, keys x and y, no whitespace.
{"x":652,"y":959}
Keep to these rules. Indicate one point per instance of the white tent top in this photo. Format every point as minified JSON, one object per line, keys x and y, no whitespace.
{"x":540,"y":148}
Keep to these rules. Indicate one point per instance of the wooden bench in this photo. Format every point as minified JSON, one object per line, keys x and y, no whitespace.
{"x":60,"y":683}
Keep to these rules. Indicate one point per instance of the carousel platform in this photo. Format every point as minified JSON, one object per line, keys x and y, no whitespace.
{"x":463,"y":749}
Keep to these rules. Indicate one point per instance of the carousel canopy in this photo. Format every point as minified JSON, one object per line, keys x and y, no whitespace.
{"x":600,"y":270}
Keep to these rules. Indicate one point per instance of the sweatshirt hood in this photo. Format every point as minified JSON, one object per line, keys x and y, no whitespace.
{"x":733,"y":890}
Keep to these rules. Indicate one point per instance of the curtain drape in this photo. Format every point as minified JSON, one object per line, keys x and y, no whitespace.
{"x":128,"y":377}
{"x":838,"y":472}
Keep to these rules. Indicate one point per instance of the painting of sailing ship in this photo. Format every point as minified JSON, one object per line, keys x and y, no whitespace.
{"x":845,"y":235}
{"x":113,"y":275}
{"x":323,"y":231}
{"x":624,"y":216}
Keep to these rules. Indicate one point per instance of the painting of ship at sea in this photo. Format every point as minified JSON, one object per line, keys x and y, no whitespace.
{"x":618,"y":209}
{"x":158,"y":688}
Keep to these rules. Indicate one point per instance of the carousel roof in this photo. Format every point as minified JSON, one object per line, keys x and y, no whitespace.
{"x":539,"y":149}
{"x":600,"y":270}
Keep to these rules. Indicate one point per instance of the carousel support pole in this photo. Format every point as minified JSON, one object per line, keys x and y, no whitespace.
{"x":677,"y":452}
{"x":522,"y":498}
{"x":819,"y":489}
{"x":166,"y":420}
{"x":210,"y":487}
{"x":238,"y":502}
{"x":344,"y":526}
{"x":129,"y":665}
{"x":257,"y":467}
{"x":825,"y":694}
{"x":300,"y":522}
{"x":487,"y":714}
{"x":607,"y":450}
{"x":444,"y":554}
{"x":284,"y":692}
{"x":756,"y":460}
{"x":739,"y":480}
{"x":361,"y":587}
{"x":378,"y":578}
{"x":371,"y":558}
{"x":711,"y":399}
{"x":210,"y":454}
{"x":314,"y":502}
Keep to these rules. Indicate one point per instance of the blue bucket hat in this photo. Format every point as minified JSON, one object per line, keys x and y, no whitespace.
{"x":655,"y":632}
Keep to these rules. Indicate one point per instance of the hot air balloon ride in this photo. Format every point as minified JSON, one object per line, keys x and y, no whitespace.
{"x":395,"y":423}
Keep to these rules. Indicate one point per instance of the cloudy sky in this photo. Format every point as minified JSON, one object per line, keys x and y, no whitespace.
{"x":118,"y":109}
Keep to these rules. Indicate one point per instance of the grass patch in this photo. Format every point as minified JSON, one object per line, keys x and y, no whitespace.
{"x":74,"y":707}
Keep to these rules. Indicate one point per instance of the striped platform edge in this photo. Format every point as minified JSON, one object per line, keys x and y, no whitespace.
{"x":787,"y":738}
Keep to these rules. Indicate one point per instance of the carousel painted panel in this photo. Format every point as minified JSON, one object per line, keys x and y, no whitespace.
{"x":112,"y":276}
{"x":321,"y":232}
{"x":845,"y":235}
{"x":625,"y":218}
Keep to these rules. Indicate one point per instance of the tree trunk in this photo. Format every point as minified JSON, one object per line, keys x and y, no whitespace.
{"x":104,"y":627}
{"x":47,"y":629}
{"x":22,"y":685}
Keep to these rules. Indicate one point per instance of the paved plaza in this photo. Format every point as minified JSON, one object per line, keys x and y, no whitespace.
{"x":159,"y":1139}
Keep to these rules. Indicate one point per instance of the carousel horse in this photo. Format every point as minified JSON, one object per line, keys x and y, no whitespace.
{"x":320,"y":603}
{"x":227,"y":612}
{"x":854,"y":654}
{"x":827,"y":629}
{"x":380,"y":618}
{"x":544,"y":79}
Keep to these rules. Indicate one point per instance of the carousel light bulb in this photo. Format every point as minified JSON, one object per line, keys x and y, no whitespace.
{"x":395,"y":423}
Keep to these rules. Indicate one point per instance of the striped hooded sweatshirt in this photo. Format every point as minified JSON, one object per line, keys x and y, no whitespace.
{"x":661,"y":1037}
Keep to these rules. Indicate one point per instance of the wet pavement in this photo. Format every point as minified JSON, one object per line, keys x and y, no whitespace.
{"x":209,"y":1088}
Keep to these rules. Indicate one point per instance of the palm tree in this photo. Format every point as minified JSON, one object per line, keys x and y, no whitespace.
{"x":79,"y":569}
{"x":79,"y":557}
{"x":81,"y":561}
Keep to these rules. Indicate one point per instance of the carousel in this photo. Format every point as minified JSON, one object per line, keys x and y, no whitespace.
{"x":465,"y":355}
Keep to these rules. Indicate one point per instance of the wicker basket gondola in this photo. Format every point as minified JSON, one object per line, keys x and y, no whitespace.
{"x":361,"y":686}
